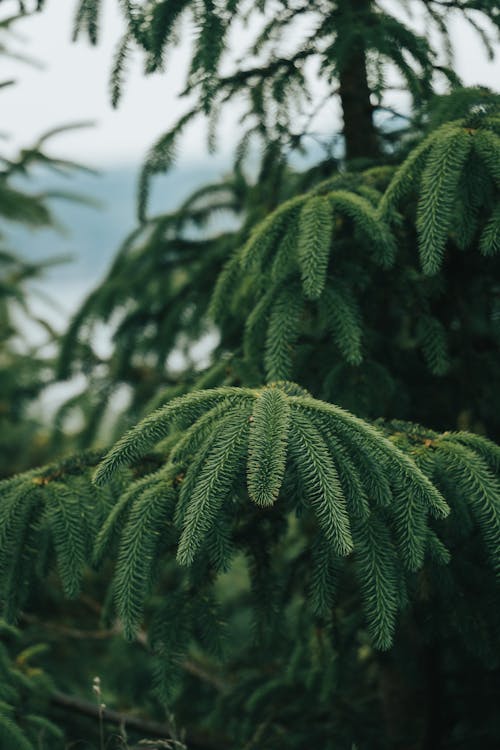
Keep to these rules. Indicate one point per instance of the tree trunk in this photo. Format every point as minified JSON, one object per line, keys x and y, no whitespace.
{"x":361,"y":139}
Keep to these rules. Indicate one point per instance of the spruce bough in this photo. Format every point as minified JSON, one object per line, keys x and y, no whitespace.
{"x":294,"y":566}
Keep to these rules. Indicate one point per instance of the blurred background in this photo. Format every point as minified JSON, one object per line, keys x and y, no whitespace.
{"x":69,"y":83}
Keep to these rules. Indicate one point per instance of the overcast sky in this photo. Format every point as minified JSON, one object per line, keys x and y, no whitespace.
{"x":73,"y":86}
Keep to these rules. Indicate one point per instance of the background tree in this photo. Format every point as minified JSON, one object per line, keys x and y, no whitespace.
{"x":26,"y":367}
{"x":348,"y":562}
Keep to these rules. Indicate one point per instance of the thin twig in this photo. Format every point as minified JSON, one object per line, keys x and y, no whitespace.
{"x":135,"y":723}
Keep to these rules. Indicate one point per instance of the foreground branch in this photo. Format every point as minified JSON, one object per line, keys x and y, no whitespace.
{"x":135,"y":723}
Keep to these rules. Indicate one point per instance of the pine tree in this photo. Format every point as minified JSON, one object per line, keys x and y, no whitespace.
{"x":304,"y":532}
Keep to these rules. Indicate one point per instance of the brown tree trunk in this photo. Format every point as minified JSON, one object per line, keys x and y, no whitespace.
{"x":360,"y":134}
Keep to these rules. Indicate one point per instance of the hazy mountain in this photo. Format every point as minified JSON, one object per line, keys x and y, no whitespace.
{"x":91,"y":235}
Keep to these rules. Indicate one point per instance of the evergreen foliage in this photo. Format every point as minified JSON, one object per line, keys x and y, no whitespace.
{"x":276,"y":84}
{"x":279,"y":433}
{"x":438,"y":164}
{"x":42,"y":514}
{"x":262,"y":290}
{"x":23,"y":694}
{"x":294,"y":559}
{"x":25,"y":369}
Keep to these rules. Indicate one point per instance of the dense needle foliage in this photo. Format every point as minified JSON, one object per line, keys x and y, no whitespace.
{"x":299,"y":533}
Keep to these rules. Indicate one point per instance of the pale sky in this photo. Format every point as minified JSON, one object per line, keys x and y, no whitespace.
{"x":73,"y":86}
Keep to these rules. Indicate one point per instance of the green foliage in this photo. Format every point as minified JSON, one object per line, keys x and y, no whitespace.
{"x":437,"y":165}
{"x":161,"y":157}
{"x":42,"y":515}
{"x":17,"y":206}
{"x":267,"y":446}
{"x":23,"y":695}
{"x":439,"y":183}
{"x":377,"y":569}
{"x":289,"y":574}
{"x":284,"y":324}
{"x":324,"y":444}
{"x":138,"y":548}
{"x":433,"y":340}
{"x":260,"y":293}
{"x":25,"y":368}
{"x":320,"y":483}
{"x":343,"y":319}
{"x":490,"y":240}
{"x":382,"y":519}
{"x":313,"y":244}
{"x":87,"y":18}
{"x":277,"y":87}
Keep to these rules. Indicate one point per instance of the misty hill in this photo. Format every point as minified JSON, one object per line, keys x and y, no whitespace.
{"x":91,"y":235}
